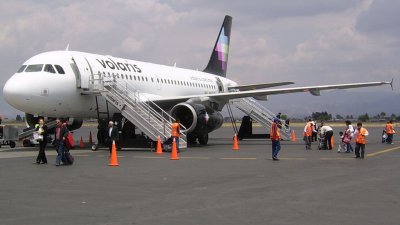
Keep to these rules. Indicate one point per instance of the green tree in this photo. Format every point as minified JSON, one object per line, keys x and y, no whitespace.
{"x":364,"y":117}
{"x":321,"y":116}
{"x":18,"y":118}
{"x":339,"y":117}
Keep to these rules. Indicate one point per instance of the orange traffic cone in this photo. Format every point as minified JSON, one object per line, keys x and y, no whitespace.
{"x":159,"y":148}
{"x":333,"y":141}
{"x":293,"y":136}
{"x":81,"y":145}
{"x":113,"y":158}
{"x":235,"y":143}
{"x":174,"y":152}
{"x":90,"y":138}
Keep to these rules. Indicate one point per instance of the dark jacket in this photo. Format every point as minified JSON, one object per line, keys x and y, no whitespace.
{"x":63,"y":133}
{"x":114,"y":134}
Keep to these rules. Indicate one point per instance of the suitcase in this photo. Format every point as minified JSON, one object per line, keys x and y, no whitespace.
{"x":67,"y":159}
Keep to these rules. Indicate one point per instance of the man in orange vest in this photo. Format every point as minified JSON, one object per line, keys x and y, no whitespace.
{"x":361,"y":133}
{"x":275,"y":138}
{"x":308,"y":131}
{"x":389,"y":132}
{"x":175,"y":132}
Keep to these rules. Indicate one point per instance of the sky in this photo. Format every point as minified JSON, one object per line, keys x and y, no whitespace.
{"x":309,"y":42}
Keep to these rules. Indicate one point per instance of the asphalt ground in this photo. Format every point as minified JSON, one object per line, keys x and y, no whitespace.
{"x":208,"y":185}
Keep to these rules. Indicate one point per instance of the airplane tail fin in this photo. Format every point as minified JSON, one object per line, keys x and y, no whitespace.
{"x":219,"y":56}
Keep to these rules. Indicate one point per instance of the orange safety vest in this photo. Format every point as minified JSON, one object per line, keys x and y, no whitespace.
{"x":361,"y":139}
{"x":175,"y":130}
{"x":309,"y":130}
{"x":274,"y":132}
{"x":389,"y":128}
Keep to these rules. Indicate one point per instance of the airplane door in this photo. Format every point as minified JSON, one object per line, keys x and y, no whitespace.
{"x":84,"y":71}
{"x":219,"y":85}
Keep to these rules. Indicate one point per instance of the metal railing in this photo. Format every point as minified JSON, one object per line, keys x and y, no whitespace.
{"x":258,"y":112}
{"x":147,"y":115}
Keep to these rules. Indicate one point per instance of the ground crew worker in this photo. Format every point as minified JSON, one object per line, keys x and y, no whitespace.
{"x":361,"y":140}
{"x":389,"y":132}
{"x":327,"y":132}
{"x":175,"y":132}
{"x":308,"y":131}
{"x":276,"y":139}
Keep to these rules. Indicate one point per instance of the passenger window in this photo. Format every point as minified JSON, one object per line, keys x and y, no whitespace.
{"x":21,"y":69}
{"x":59,"y":69}
{"x":49,"y":68}
{"x":34,"y":68}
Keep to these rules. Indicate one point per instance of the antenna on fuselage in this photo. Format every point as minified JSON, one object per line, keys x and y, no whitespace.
{"x":67,"y":48}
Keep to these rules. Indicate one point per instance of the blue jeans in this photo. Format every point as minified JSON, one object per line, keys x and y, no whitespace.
{"x":60,"y":148}
{"x":349,"y":147}
{"x":276,"y":147}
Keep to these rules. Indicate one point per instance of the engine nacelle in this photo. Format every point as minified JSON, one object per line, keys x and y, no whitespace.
{"x":197,"y":118}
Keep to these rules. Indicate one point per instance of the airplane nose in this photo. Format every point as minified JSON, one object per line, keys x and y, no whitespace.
{"x":14,"y":93}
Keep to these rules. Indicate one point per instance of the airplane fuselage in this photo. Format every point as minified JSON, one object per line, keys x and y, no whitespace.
{"x":41,"y":89}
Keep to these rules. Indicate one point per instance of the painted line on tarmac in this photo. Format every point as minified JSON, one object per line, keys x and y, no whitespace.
{"x":382,"y":152}
{"x":149,"y":157}
{"x":194,"y":157}
{"x":336,"y":158}
{"x":239,"y":158}
{"x":285,"y":158}
{"x":82,"y":155}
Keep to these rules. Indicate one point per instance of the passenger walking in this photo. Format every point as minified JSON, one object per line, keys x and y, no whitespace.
{"x":389,"y":130}
{"x":327,"y":132}
{"x":343,"y":144}
{"x":308,"y":131}
{"x":275,"y":138}
{"x":349,"y":132}
{"x":112,"y":135}
{"x":360,"y":133}
{"x":60,"y":135}
{"x":175,"y":133}
{"x":315,"y":131}
{"x":42,"y":132}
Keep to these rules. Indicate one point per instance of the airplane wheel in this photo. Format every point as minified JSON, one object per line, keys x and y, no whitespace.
{"x":203,"y":139}
{"x":94,"y":147}
{"x":12,"y":144}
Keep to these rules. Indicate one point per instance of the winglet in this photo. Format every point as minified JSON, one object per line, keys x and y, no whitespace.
{"x":391,"y":83}
{"x":67,"y":48}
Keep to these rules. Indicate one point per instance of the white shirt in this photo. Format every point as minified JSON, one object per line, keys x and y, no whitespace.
{"x":325,"y":129}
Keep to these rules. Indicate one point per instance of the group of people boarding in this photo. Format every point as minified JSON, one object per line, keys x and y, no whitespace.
{"x":359,"y":134}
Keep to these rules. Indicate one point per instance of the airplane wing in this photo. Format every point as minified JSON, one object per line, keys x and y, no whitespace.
{"x":249,"y":87}
{"x":226,"y":96}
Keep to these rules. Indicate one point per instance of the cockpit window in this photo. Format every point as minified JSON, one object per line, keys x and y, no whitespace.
{"x":59,"y":69}
{"x":49,"y":68}
{"x":21,"y":69}
{"x":34,"y":68}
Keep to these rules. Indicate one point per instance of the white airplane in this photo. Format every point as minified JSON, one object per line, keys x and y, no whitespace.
{"x":55,"y":84}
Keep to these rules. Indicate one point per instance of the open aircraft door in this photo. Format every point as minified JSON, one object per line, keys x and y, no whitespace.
{"x":82,"y":70}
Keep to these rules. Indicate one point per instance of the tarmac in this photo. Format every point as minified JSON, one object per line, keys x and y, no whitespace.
{"x":208,"y":185}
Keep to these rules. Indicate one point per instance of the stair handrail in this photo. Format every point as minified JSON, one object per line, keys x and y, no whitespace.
{"x":141,"y":100}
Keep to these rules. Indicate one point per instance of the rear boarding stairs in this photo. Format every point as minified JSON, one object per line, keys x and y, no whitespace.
{"x":258,"y":112}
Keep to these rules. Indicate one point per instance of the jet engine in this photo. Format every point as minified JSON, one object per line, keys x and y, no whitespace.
{"x":198,"y":120}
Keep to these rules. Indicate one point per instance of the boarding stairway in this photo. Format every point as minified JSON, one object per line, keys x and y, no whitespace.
{"x":136,"y":107}
{"x":30,"y":131}
{"x":258,"y":112}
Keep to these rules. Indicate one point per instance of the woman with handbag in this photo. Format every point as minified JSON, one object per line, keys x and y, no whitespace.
{"x":41,"y":136}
